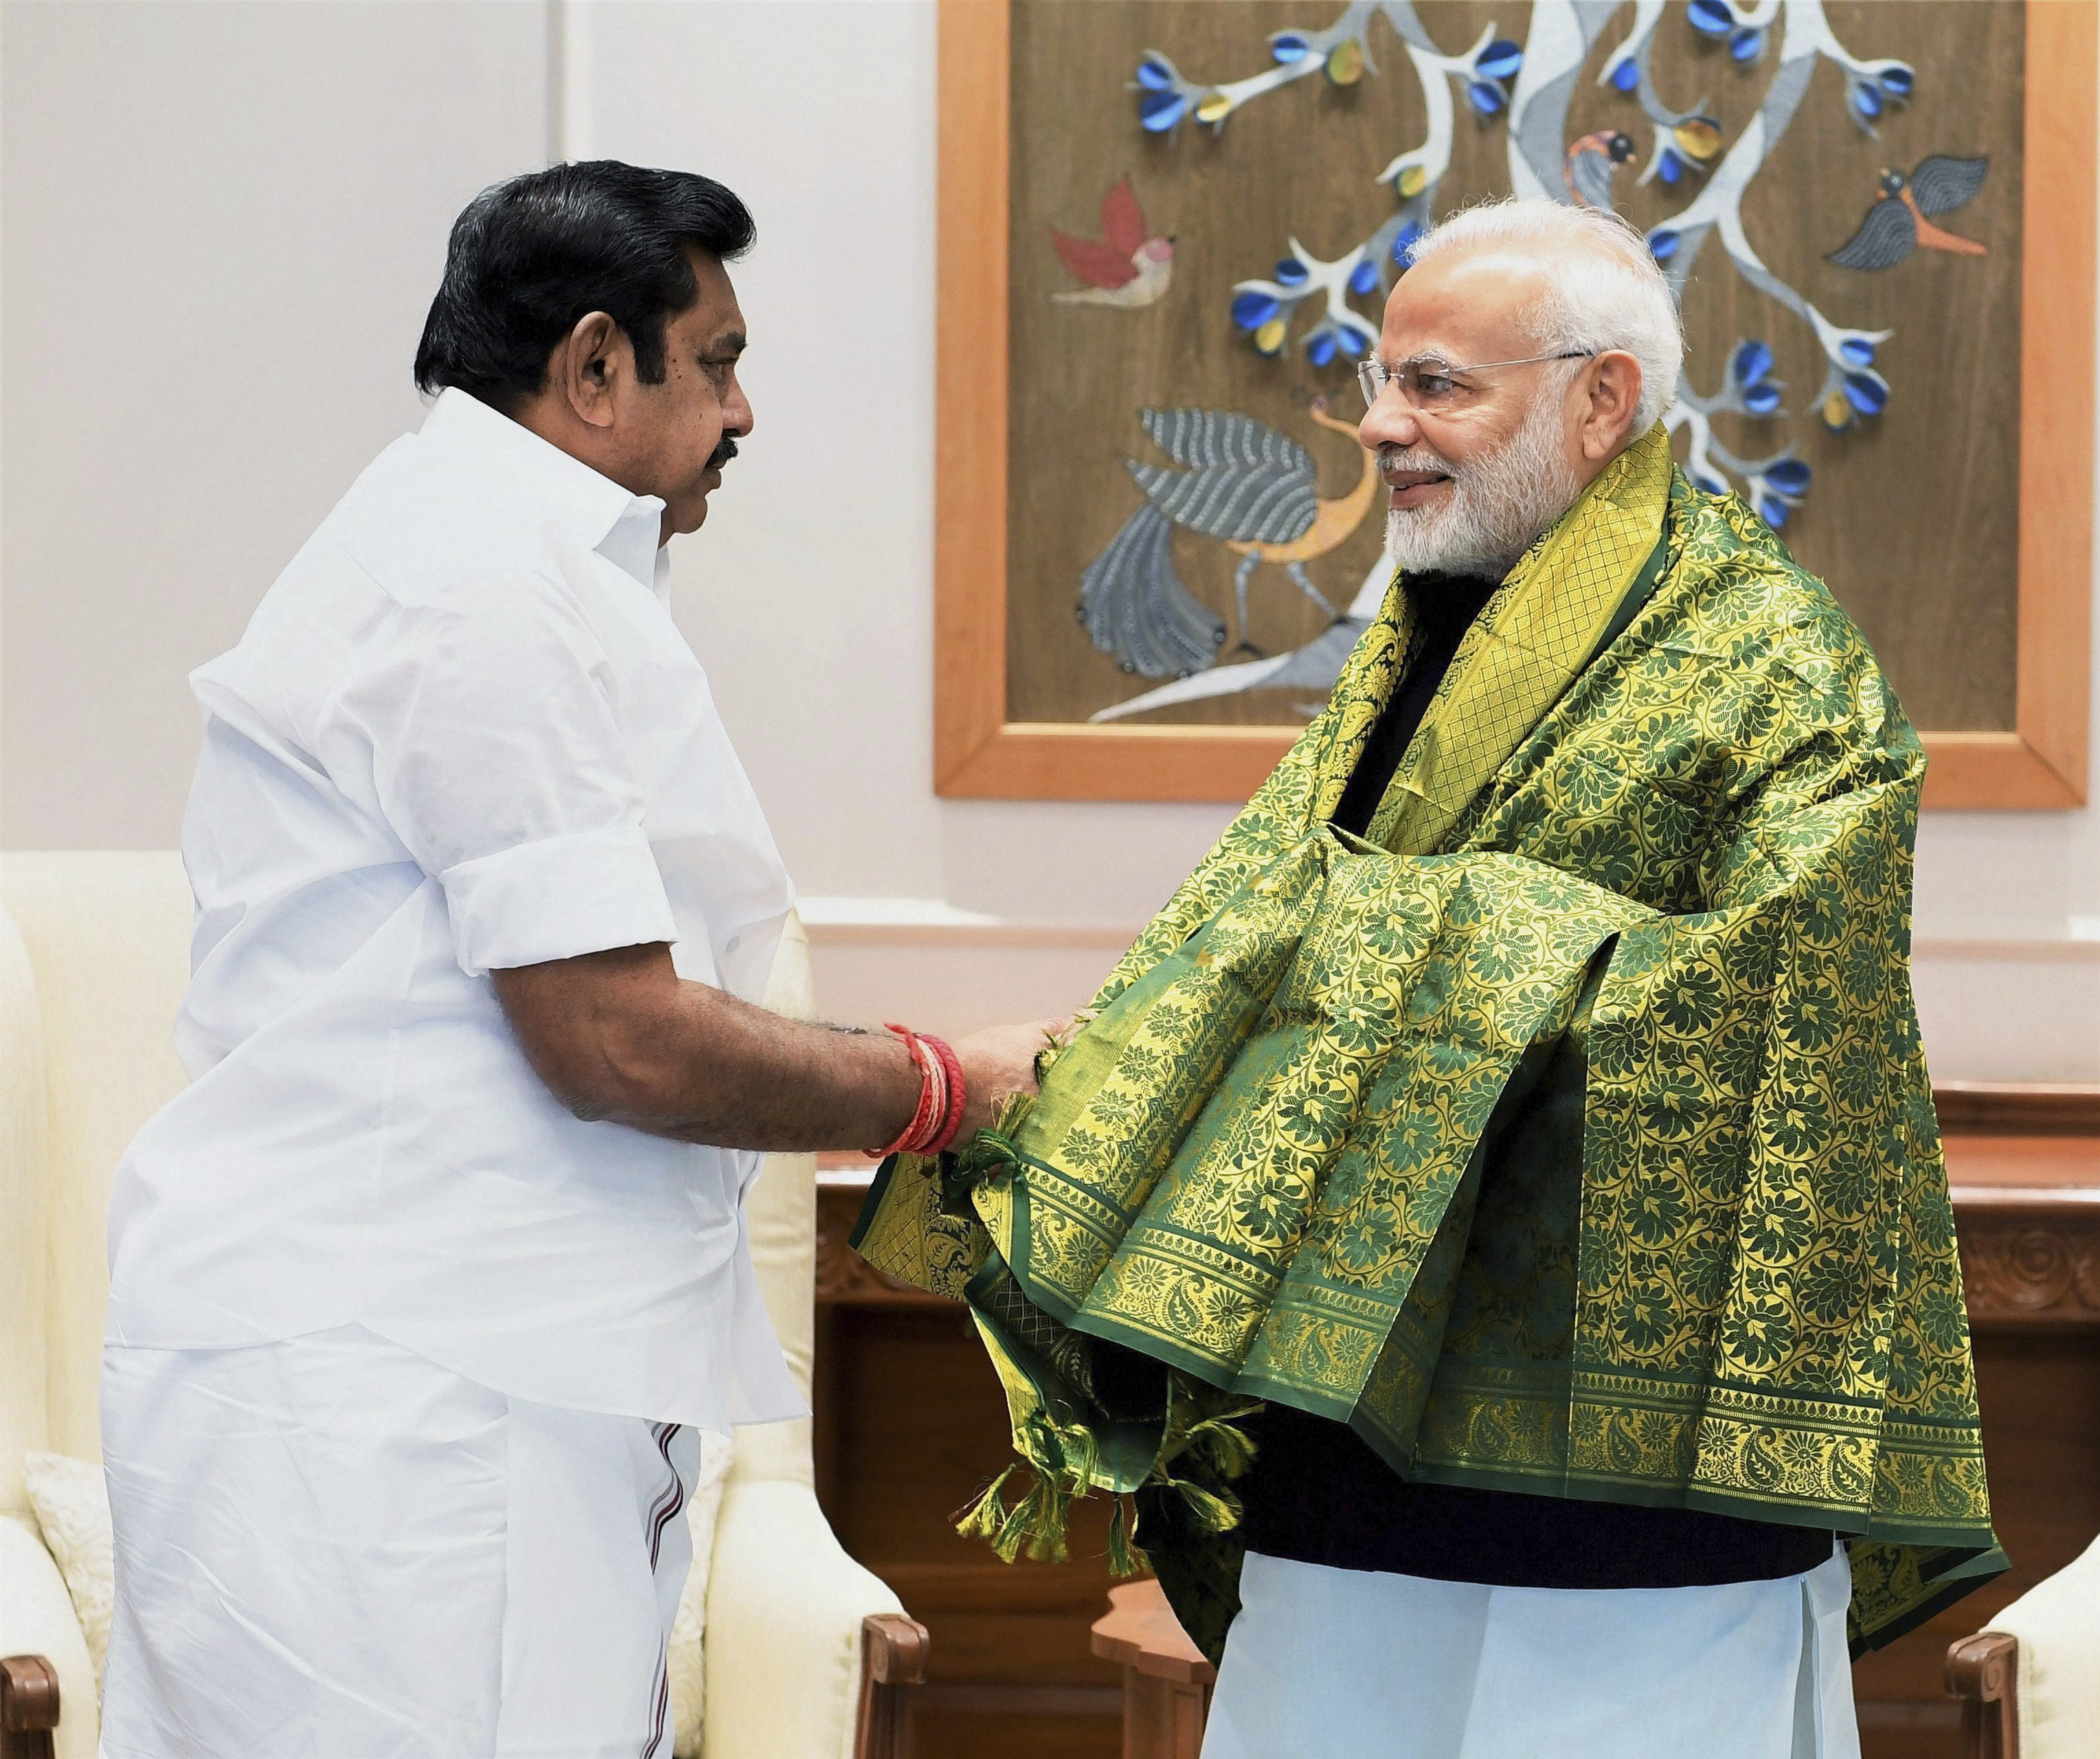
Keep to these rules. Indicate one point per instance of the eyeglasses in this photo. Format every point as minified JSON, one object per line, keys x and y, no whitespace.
{"x":1432,"y":384}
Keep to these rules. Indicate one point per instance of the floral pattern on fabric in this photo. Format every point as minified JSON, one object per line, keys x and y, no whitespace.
{"x":1592,"y":1154}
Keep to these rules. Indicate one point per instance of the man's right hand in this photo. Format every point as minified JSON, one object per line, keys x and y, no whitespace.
{"x":618,"y":1038}
{"x":998,"y":1062}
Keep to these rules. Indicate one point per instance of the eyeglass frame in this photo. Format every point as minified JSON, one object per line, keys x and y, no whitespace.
{"x":1371,"y":364}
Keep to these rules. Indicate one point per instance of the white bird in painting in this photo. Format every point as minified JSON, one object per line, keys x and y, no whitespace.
{"x":1124,"y":267}
{"x":1311,"y":669}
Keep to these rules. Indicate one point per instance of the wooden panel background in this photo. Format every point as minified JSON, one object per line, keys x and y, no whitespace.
{"x":1913,"y":516}
{"x":1957,"y":526}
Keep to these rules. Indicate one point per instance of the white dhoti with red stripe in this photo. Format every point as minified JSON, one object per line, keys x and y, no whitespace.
{"x":330,"y":1548}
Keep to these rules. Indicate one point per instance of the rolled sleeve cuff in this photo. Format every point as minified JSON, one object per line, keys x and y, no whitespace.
{"x":557,"y":898}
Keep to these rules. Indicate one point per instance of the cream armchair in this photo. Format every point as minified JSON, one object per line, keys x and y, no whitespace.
{"x":807,"y":1655}
{"x":2029,"y":1683}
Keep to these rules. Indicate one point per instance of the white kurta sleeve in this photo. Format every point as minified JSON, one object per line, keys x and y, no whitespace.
{"x":497,"y":758}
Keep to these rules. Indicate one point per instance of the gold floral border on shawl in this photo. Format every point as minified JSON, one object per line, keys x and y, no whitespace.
{"x":1601,"y":1424}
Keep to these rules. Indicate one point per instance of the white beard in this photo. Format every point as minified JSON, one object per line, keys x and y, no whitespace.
{"x":1499,"y":504}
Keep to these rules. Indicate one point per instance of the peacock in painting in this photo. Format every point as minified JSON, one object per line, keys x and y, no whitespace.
{"x":1241,"y":482}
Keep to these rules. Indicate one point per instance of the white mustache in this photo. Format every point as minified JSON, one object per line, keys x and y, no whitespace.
{"x":1392,"y":459}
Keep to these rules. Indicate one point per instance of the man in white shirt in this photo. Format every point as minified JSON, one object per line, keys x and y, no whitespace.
{"x":422,"y":1287}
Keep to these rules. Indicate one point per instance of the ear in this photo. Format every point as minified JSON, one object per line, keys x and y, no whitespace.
{"x":1609,"y":390}
{"x":588,"y":367}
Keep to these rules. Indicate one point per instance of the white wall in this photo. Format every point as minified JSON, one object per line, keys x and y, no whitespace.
{"x":221,"y":224}
{"x":808,"y":594}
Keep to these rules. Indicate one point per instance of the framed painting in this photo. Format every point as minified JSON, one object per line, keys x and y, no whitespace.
{"x":1166,"y":232}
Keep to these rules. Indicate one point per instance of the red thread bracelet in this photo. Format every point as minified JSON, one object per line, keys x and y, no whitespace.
{"x":937,"y":1119}
{"x":927,"y":1115}
{"x":957,"y":1094}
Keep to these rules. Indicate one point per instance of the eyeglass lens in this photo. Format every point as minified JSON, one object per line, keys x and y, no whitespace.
{"x":1423,"y":383}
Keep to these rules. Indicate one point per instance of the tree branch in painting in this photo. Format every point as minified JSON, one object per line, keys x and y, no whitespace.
{"x":1309,"y":301}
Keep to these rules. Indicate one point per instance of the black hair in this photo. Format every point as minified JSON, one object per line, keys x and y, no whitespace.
{"x":530,"y":257}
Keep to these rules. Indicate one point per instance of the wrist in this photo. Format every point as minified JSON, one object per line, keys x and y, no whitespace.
{"x":943,"y":1092}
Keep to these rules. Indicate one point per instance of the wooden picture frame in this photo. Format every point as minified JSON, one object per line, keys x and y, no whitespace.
{"x":979,"y":752}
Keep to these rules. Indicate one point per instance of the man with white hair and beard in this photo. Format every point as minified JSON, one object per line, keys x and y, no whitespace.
{"x":1492,"y":1235}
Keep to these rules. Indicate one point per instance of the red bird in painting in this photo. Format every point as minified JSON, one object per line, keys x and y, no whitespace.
{"x":1124,"y":267}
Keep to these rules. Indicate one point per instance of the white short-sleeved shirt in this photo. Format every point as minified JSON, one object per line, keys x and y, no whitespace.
{"x":461,"y":733}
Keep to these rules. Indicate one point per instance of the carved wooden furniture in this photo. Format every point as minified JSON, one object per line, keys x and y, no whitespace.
{"x":1984,"y":1673}
{"x":1165,"y":1680}
{"x":893,"y":1651}
{"x":900,"y":1377}
{"x":28,"y":1706}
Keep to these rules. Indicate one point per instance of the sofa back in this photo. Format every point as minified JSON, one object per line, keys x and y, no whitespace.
{"x":107,"y":935}
{"x":92,"y":971}
{"x":23,"y":1380}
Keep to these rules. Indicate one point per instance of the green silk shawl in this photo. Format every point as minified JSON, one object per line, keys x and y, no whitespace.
{"x":1570,"y":1134}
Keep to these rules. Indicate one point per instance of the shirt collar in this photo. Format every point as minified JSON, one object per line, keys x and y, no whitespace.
{"x":622,"y":527}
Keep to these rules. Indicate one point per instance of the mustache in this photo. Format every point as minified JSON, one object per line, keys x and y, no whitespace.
{"x":1392,"y":458}
{"x":722,"y":453}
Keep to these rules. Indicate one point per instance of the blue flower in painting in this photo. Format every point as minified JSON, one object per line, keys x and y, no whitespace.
{"x":1750,"y":368}
{"x":1867,"y":392}
{"x":1669,"y":167}
{"x":1250,"y":310}
{"x":1662,"y":244}
{"x":1712,"y":17}
{"x":1159,"y":111}
{"x":1290,"y":272}
{"x":1747,"y":44}
{"x":1364,"y":277}
{"x":1871,"y":89}
{"x":1486,"y":96}
{"x":1626,"y":75}
{"x":1498,"y":60}
{"x":1288,"y":48}
{"x":1777,"y":490}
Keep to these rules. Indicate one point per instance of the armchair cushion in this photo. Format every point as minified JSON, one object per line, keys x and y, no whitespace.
{"x":36,"y":1618}
{"x":684,"y":1661}
{"x":2058,"y":1624}
{"x":785,"y":1608}
{"x":72,"y":1508}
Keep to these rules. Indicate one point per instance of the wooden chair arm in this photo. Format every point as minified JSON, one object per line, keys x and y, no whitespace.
{"x":1166,"y":1680}
{"x":28,"y":1706}
{"x":893,"y":1651}
{"x":1140,"y":1632}
{"x":1983,"y":1673}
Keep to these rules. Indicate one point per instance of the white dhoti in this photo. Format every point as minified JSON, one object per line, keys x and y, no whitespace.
{"x":330,"y":1548}
{"x":1327,"y":1663}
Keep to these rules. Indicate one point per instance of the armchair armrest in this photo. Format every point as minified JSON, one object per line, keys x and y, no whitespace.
{"x":28,"y":1706}
{"x":47,"y":1668}
{"x":893,"y":1651}
{"x":794,"y":1627}
{"x":1983,"y":1672}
